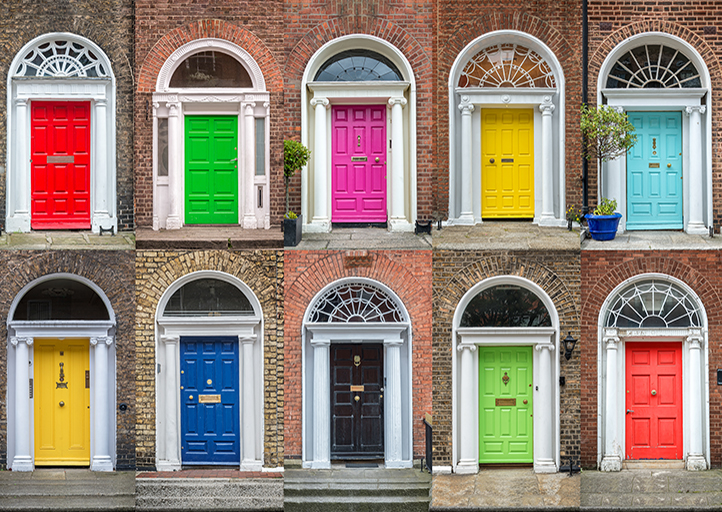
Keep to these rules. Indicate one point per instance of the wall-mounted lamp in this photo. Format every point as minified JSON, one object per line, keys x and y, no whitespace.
{"x":569,"y":344}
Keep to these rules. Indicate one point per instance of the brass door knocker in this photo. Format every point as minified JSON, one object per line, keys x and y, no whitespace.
{"x":62,"y":383}
{"x":356,"y":360}
{"x":505,"y":379}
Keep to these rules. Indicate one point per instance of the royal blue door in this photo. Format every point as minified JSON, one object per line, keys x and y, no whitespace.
{"x":210,"y":418}
{"x":654,"y":172}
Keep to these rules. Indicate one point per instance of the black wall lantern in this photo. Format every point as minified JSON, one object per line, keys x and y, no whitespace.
{"x":569,"y":344}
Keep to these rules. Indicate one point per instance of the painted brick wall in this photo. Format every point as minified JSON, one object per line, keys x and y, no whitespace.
{"x":407,"y":273}
{"x":112,"y":271}
{"x":109,"y":24}
{"x":602,"y":271}
{"x":454,"y":273}
{"x":262,"y":271}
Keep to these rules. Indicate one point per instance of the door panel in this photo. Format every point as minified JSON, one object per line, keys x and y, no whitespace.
{"x":60,"y":165}
{"x":210,"y":417}
{"x":357,"y":426}
{"x":507,"y":169}
{"x":654,"y":401}
{"x":358,"y":161}
{"x":654,"y":172}
{"x":211,"y":153}
{"x":505,"y":405}
{"x":62,"y":432}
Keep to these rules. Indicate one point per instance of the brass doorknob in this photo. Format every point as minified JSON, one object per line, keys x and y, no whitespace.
{"x":669,"y":165}
{"x":61,"y":404}
{"x":357,"y":398}
{"x":526,"y":402}
{"x":190,"y":397}
{"x":377,"y":159}
{"x":491,"y":160}
{"x":654,"y":392}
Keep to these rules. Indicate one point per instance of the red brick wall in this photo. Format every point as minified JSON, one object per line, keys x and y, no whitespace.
{"x":407,"y":273}
{"x":602,"y":271}
{"x":406,"y":24}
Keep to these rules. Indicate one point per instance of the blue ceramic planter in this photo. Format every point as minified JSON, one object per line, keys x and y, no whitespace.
{"x":603,"y":227}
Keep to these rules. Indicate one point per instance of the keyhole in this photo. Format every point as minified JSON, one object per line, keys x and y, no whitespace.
{"x":358,"y":139}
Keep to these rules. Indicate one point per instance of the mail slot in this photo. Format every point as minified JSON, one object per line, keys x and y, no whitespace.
{"x":359,"y":159}
{"x":61,"y":159}
{"x":355,"y":389}
{"x":209,"y":399}
{"x":505,"y":402}
{"x":507,"y":160}
{"x":654,"y":166}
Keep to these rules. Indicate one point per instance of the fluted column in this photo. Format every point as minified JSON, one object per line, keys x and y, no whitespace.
{"x":321,"y":404}
{"x":544,"y":452}
{"x":102,"y":461}
{"x":398,"y":204}
{"x":393,"y":403}
{"x":468,"y":412}
{"x":696,"y":185}
{"x":467,"y":189}
{"x":696,"y":460}
{"x":170,"y":406}
{"x":320,"y":166}
{"x":249,"y":167}
{"x":611,"y":459}
{"x":175,"y":166}
{"x":23,"y":460}
{"x":248,"y":401}
{"x":157,"y":159}
{"x":547,"y":215}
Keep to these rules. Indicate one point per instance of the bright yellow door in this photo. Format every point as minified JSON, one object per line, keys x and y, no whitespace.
{"x":62,"y":402}
{"x":507,"y":163}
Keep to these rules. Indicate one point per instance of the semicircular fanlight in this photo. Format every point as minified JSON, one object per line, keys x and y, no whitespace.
{"x":358,"y":66}
{"x":61,"y":59}
{"x":507,"y":65}
{"x":356,"y":303}
{"x":653,"y":304}
{"x":653,"y":66}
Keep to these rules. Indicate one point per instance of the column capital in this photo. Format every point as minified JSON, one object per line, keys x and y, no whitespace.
{"x":169,"y":340}
{"x":466,"y":108}
{"x":695,"y":109}
{"x":393,"y":342}
{"x":461,"y":346}
{"x":547,"y":109}
{"x":320,"y":342}
{"x":96,"y":340}
{"x":101,"y":102}
{"x":619,"y":110}
{"x":21,"y":102}
{"x":694,"y":339}
{"x":14,"y":340}
{"x":320,"y":101}
{"x":156,"y":106}
{"x":611,"y":339}
{"x":397,"y":100}
{"x":250,"y":108}
{"x":173,"y":108}
{"x":541,"y":346}
{"x":247,"y":338}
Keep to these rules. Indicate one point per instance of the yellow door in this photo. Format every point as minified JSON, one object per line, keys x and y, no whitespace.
{"x":62,"y":402}
{"x":507,"y":163}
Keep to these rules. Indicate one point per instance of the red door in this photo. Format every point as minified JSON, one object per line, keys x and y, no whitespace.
{"x":654,"y":401}
{"x":60,"y":145}
{"x":358,"y":161}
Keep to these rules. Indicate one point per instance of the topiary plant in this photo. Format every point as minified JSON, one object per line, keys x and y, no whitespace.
{"x":295,"y":156}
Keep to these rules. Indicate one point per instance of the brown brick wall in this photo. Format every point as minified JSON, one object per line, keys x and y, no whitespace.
{"x":454,"y":273}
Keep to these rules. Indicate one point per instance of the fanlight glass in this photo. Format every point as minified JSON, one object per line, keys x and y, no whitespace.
{"x":653,"y":67}
{"x":210,"y":69}
{"x":356,"y":303}
{"x":358,"y":66}
{"x":61,"y":299}
{"x":208,"y":297}
{"x":653,"y":304}
{"x":507,"y":65}
{"x":506,"y":306}
{"x":61,"y":59}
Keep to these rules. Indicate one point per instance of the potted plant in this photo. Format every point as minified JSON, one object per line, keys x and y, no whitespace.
{"x":608,"y":134}
{"x":295,"y":156}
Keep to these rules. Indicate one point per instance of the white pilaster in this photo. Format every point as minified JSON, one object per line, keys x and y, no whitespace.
{"x":156,"y":159}
{"x":696,"y":460}
{"x":23,"y":460}
{"x":467,"y":189}
{"x":19,"y":218}
{"x":612,"y":459}
{"x":172,"y":461}
{"x":398,"y":219}
{"x":249,"y":458}
{"x":321,"y":221}
{"x":696,"y":175}
{"x":468,"y":413}
{"x":544,"y":456}
{"x":321,"y":405}
{"x":249,"y":168}
{"x":101,"y":201}
{"x":547,"y":215}
{"x":102,"y":461}
{"x":175,"y":166}
{"x":392,"y":404}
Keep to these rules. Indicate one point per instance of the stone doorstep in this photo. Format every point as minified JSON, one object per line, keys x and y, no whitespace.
{"x":208,"y":473}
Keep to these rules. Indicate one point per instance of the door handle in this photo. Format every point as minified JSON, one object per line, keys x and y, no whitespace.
{"x":190,"y":397}
{"x":357,"y":398}
{"x":629,"y":410}
{"x":61,"y":404}
{"x":491,"y":160}
{"x":377,"y":159}
{"x":669,"y":165}
{"x":654,"y":392}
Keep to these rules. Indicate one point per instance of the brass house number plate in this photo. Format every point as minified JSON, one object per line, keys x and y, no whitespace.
{"x":209,"y":399}
{"x":505,"y":402}
{"x":359,"y":158}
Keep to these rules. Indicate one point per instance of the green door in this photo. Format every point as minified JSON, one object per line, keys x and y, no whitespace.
{"x":506,"y":430}
{"x":211,"y":154}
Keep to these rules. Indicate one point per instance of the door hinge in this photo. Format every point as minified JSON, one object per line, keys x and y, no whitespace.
{"x":390,"y":143}
{"x":158,"y":370}
{"x":87,"y":379}
{"x":30,"y":388}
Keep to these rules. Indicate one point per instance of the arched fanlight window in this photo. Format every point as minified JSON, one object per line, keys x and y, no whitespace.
{"x":208,"y":297}
{"x":653,"y":66}
{"x":210,"y":69}
{"x":61,"y":59}
{"x":653,"y":304}
{"x":506,"y":306}
{"x":356,"y":302}
{"x":358,"y":66}
{"x":507,"y":65}
{"x":61,"y":299}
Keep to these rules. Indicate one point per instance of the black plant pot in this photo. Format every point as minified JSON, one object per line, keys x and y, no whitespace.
{"x":292,"y":231}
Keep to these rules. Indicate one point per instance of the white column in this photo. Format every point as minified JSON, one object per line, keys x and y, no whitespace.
{"x":321,"y":220}
{"x":543,"y":432}
{"x":23,"y":460}
{"x":612,"y":457}
{"x":102,"y":460}
{"x":249,"y":168}
{"x":156,"y":162}
{"x":547,"y":214}
{"x":696,"y":460}
{"x":321,"y":405}
{"x":696,"y":185}
{"x":172,"y":459}
{"x":249,"y":459}
{"x":467,"y":189}
{"x":393,"y":404}
{"x":19,"y":216}
{"x":101,"y":214}
{"x":175,"y":166}
{"x":399,"y":222}
{"x":468,"y":413}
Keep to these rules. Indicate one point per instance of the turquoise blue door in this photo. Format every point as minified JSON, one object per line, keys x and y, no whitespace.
{"x":654,"y":172}
{"x":210,"y":418}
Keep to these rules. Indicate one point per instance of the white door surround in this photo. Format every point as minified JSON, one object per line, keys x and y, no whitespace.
{"x":611,"y":377}
{"x":465,"y":379}
{"x":21,"y":335}
{"x":61,"y":77}
{"x":175,"y":104}
{"x":465,"y":105}
{"x":249,"y":330}
{"x":316,"y":98}
{"x":694,"y":103}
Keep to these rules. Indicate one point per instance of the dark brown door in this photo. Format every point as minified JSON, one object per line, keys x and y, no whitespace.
{"x":357,"y":412}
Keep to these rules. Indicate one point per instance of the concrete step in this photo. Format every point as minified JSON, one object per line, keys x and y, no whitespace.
{"x":85,"y":503}
{"x":355,"y":489}
{"x":353,"y":504}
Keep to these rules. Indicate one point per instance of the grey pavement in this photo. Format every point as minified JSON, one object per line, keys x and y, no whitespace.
{"x":67,"y":240}
{"x":363,"y":238}
{"x":655,"y":240}
{"x":506,"y":235}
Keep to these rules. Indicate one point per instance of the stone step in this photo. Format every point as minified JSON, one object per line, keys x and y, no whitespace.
{"x":353,"y":504}
{"x":85,"y":503}
{"x":349,"y":489}
{"x":65,"y":488}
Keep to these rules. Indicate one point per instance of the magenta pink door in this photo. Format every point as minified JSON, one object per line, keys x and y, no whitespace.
{"x":358,"y":179}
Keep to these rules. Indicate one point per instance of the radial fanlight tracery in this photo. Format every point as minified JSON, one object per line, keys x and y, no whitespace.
{"x":653,"y":67}
{"x":507,"y":65}
{"x":653,"y":304}
{"x":61,"y":59}
{"x":356,"y":303}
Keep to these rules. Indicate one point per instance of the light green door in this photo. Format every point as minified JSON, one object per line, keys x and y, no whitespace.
{"x":505,"y":405}
{"x":211,"y":176}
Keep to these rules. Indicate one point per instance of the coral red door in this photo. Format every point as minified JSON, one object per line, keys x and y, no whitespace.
{"x":654,"y":401}
{"x":358,"y":161}
{"x":60,"y":169}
